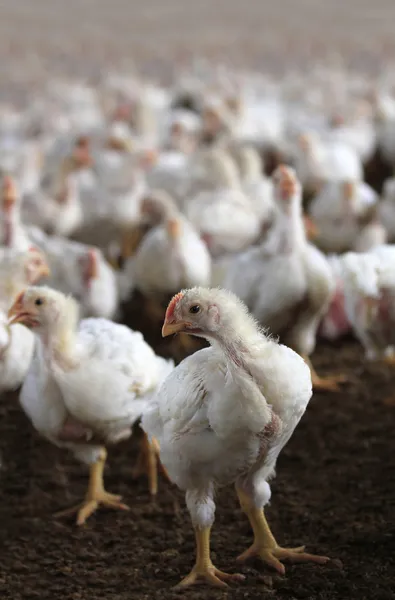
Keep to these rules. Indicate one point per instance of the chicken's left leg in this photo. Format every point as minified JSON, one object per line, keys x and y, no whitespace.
{"x":204,"y":570}
{"x":264,"y":545}
{"x":147,"y":462}
{"x":96,"y":494}
{"x":327,"y":384}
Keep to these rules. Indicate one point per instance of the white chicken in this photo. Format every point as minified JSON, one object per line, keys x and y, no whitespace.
{"x":286,"y":282}
{"x":58,"y":209}
{"x":369,"y":289}
{"x":12,"y":232}
{"x":82,"y":271}
{"x":223,"y":416}
{"x":256,"y":186}
{"x":222,"y":212}
{"x":171,"y":255}
{"x":344,"y":213}
{"x":87,"y":384}
{"x":17,"y":270}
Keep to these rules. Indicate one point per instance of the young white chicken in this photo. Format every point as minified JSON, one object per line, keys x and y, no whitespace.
{"x":87,"y":384}
{"x":257,"y":186}
{"x":82,"y":271}
{"x":17,"y":270}
{"x":58,"y":209}
{"x":286,"y":282}
{"x":342,"y":211}
{"x":223,"y":416}
{"x":369,"y":289}
{"x":221,"y":211}
{"x":12,"y":232}
{"x":171,"y":255}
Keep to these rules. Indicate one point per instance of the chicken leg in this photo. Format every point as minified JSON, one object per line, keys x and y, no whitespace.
{"x":327,"y":384}
{"x":96,"y":494}
{"x":147,"y":462}
{"x":204,"y":570}
{"x":265,"y":546}
{"x":130,"y":241}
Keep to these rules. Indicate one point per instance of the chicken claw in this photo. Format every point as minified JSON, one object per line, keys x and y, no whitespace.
{"x":327,"y":384}
{"x":208,"y":574}
{"x":273,"y":555}
{"x":204,"y":570}
{"x":265,"y":546}
{"x":96,"y":495}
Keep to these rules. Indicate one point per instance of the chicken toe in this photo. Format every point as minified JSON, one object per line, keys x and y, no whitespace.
{"x":327,"y":384}
{"x":210,"y":575}
{"x":265,"y":546}
{"x":204,"y":571}
{"x":273,"y":555}
{"x":96,"y":495}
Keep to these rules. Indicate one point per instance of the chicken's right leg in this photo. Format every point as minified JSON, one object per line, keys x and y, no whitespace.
{"x":202,"y":508}
{"x":264,"y":545}
{"x":96,"y":494}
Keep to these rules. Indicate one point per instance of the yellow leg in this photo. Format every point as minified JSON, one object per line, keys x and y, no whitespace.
{"x":96,"y":494}
{"x":204,"y":570}
{"x":147,"y":462}
{"x":328,"y":384}
{"x":265,"y":546}
{"x":130,"y":240}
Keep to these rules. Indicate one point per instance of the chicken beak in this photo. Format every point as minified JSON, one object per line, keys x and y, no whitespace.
{"x":44,"y":271}
{"x":16,"y":314}
{"x":310,"y":228}
{"x":170,"y":328}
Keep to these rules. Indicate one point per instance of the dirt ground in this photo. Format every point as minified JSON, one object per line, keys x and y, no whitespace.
{"x":334,"y":492}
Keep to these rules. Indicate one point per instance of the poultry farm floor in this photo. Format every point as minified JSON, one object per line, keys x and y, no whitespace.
{"x":334,"y":492}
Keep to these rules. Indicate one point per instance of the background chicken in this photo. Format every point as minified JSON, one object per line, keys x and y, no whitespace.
{"x":87,"y":385}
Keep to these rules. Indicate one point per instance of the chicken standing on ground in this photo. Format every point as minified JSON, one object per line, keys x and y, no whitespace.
{"x":17,"y":269}
{"x":86,"y":385}
{"x":223,"y":416}
{"x":286,"y":282}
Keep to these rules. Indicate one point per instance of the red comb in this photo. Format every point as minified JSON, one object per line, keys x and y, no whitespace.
{"x":172,"y":305}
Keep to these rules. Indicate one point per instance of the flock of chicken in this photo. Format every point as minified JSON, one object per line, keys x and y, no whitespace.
{"x":131,"y":189}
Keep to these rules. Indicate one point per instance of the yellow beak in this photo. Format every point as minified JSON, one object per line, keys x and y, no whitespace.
{"x":170,"y":328}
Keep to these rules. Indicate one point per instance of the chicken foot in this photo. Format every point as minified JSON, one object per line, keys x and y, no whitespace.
{"x":327,"y":384}
{"x":204,"y":570}
{"x":265,"y":545}
{"x":96,"y":494}
{"x":147,"y":462}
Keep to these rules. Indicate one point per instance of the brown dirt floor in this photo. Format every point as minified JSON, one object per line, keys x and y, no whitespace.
{"x":334,"y":492}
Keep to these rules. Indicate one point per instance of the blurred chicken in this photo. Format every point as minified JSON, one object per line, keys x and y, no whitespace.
{"x":223,"y":416}
{"x":12,"y":232}
{"x":17,"y":270}
{"x":220,"y":210}
{"x":345,"y":215}
{"x":87,"y":385}
{"x":286,"y":282}
{"x":82,"y":271}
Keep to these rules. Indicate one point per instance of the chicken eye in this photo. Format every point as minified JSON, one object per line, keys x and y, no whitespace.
{"x":194,"y":309}
{"x":39,"y":302}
